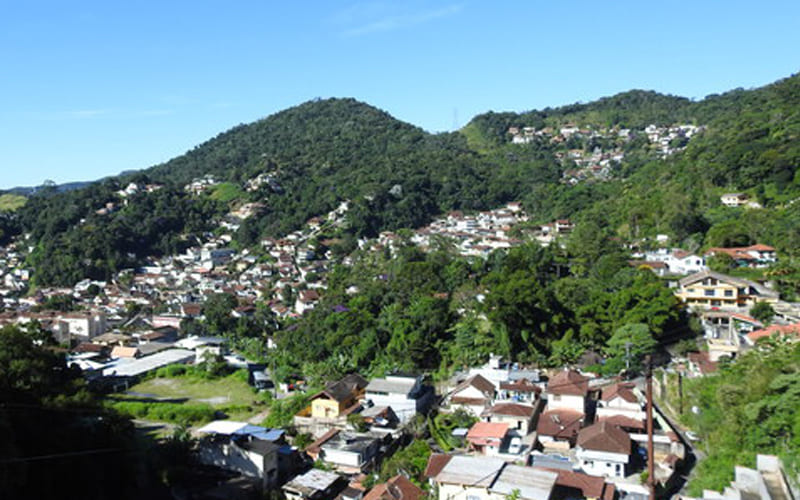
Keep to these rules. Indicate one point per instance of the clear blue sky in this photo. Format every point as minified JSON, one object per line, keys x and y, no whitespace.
{"x":90,"y":88}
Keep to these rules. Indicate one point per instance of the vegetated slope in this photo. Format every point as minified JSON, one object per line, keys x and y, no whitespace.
{"x":396,"y":175}
{"x":749,"y":143}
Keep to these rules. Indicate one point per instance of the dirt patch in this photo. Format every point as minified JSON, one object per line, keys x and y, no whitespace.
{"x":164,"y":382}
{"x":219,"y":400}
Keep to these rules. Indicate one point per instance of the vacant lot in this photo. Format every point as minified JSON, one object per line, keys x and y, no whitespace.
{"x":230,"y":395}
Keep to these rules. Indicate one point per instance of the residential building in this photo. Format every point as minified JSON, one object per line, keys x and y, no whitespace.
{"x":750,"y":256}
{"x":315,"y":484}
{"x":519,"y":417}
{"x":524,"y":482}
{"x":558,"y":429}
{"x":789,"y":332}
{"x":603,"y":449}
{"x":619,"y":405}
{"x":734,"y":199}
{"x":406,"y":395}
{"x":567,"y":390}
{"x":487,"y":438}
{"x":332,"y":401}
{"x":474,"y":395}
{"x":520,"y":391}
{"x":710,"y":289}
{"x":464,"y":477}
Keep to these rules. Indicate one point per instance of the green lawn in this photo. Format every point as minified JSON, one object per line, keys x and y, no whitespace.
{"x":231,"y":395}
{"x":11,"y":202}
{"x":226,"y":191}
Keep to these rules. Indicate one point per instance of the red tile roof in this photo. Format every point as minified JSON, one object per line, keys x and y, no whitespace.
{"x":396,"y":488}
{"x":623,"y":421}
{"x":482,"y":433}
{"x":511,"y":409}
{"x":568,"y":382}
{"x":521,"y":385}
{"x":560,"y":424}
{"x":603,"y":436}
{"x":590,"y":486}
{"x":436,"y":462}
{"x":782,"y":330}
{"x":623,"y":390}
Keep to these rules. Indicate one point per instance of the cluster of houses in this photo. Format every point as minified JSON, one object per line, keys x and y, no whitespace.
{"x":572,"y":424}
{"x":14,"y":276}
{"x":570,"y":436}
{"x":480,"y":234}
{"x":679,"y":262}
{"x":592,"y":161}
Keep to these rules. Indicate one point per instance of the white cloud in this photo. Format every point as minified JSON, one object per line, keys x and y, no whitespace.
{"x":380,"y":17}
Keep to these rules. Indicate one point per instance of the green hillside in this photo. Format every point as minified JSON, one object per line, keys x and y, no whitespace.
{"x":325,"y":151}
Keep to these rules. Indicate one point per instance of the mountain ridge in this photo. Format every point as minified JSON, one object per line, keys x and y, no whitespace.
{"x":396,"y":175}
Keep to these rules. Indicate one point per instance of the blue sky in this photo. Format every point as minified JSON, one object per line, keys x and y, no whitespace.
{"x":89,"y":88}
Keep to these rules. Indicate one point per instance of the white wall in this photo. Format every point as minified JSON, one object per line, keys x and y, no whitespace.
{"x":557,"y":402}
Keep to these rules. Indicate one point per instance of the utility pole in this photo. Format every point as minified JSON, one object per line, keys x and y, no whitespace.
{"x":651,"y":468}
{"x":627,"y":357}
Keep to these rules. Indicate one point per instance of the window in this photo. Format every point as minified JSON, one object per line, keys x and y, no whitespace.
{"x":708,"y":293}
{"x":715,"y":303}
{"x":473,"y":497}
{"x":729,"y":293}
{"x":556,"y":397}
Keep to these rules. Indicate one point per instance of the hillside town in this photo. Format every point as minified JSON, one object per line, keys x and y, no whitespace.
{"x":498,"y":430}
{"x":593,"y":154}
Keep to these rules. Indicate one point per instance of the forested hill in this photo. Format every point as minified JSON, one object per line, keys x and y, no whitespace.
{"x":396,"y":175}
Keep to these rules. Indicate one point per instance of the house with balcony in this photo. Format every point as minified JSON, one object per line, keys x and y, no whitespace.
{"x":710,"y":289}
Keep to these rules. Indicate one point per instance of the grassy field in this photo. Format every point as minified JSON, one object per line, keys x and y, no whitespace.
{"x":226,"y":192}
{"x":230,"y":395}
{"x":11,"y":202}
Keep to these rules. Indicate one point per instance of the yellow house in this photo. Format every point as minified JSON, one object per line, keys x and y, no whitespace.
{"x":709,"y":289}
{"x":337,"y":397}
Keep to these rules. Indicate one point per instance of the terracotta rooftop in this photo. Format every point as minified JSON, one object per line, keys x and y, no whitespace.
{"x":436,"y":463}
{"x":511,"y":409}
{"x":568,"y":382}
{"x":604,"y":436}
{"x":560,"y":424}
{"x":623,"y":390}
{"x":396,"y":488}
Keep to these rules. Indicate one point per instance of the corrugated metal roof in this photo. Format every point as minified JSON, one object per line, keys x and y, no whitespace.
{"x":474,"y":471}
{"x":148,"y":363}
{"x":532,"y":484}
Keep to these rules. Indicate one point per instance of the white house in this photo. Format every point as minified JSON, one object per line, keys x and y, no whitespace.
{"x":85,"y":324}
{"x":603,"y":450}
{"x":519,"y":417}
{"x":734,"y":199}
{"x":620,"y":405}
{"x":488,"y":438}
{"x":474,"y":395}
{"x":406,"y":395}
{"x":567,"y":390}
